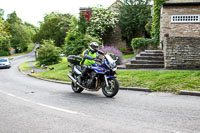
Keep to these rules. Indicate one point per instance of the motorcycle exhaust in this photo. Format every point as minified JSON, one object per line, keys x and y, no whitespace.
{"x":72,"y":78}
{"x":75,"y":82}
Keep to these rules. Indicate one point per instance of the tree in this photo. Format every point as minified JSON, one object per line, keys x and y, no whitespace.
{"x":54,"y":27}
{"x":13,"y":18}
{"x":4,"y":40}
{"x":102,"y":22}
{"x":22,"y":34}
{"x":156,"y":20}
{"x":76,"y":41}
{"x":2,"y":14}
{"x":134,"y":15}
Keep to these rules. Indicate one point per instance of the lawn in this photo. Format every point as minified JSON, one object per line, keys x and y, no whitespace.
{"x":165,"y":81}
{"x":59,"y":72}
{"x":168,"y":81}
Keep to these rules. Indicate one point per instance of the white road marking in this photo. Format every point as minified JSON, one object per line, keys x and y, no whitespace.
{"x":43,"y":105}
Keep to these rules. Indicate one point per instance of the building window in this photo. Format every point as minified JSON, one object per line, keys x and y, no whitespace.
{"x":185,"y":18}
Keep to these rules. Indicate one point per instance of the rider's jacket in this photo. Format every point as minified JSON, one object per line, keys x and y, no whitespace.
{"x":88,"y":58}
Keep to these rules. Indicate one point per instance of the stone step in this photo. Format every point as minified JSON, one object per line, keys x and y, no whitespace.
{"x":153,"y":51}
{"x":158,"y":58}
{"x":146,"y":62}
{"x":150,"y":54}
{"x":137,"y":66}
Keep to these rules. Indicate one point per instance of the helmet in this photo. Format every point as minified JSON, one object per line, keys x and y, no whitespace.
{"x":94,"y":47}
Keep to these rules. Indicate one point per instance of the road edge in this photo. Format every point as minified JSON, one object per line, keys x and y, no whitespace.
{"x":69,"y":83}
{"x":181,"y":92}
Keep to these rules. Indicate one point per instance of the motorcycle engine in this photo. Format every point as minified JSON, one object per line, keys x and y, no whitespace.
{"x":91,"y":81}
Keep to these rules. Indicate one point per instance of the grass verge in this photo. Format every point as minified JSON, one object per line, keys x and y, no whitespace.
{"x":59,"y":72}
{"x":165,"y":81}
{"x":25,"y":66}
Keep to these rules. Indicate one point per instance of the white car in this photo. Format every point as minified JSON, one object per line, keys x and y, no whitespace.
{"x":5,"y":63}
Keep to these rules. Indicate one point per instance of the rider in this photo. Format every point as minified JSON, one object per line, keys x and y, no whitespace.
{"x":89,"y":58}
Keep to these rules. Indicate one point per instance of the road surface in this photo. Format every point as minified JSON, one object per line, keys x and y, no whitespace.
{"x":29,"y":105}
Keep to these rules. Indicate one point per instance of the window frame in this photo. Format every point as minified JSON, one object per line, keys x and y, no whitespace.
{"x":185,"y":18}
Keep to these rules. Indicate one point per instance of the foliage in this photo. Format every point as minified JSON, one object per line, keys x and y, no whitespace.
{"x":4,"y":40}
{"x":83,"y":24}
{"x":142,"y":43}
{"x":2,"y":13}
{"x":134,"y":14}
{"x":114,"y":52}
{"x":22,"y":34}
{"x":148,"y":28}
{"x":76,"y":41}
{"x":102,"y":22}
{"x":156,"y":20}
{"x":47,"y":53}
{"x":54,"y":27}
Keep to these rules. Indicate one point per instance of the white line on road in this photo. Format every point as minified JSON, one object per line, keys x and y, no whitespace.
{"x":43,"y":105}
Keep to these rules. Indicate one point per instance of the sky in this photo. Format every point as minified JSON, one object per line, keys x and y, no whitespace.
{"x":33,"y":11}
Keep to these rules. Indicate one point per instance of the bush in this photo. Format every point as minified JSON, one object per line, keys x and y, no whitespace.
{"x":114,"y":52}
{"x":48,"y":53}
{"x":142,"y":43}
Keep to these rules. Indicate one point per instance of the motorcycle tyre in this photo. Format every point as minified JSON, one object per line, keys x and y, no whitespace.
{"x":76,"y":88}
{"x":115,"y":91}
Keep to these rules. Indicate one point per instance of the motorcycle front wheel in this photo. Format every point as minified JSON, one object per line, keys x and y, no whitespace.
{"x":113,"y":88}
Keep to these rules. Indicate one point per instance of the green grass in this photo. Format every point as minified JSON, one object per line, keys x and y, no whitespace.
{"x":59,"y":73}
{"x":165,"y":81}
{"x":125,"y":56}
{"x":25,"y":66}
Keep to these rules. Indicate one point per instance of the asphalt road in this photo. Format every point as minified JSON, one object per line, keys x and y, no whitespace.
{"x":29,"y":105}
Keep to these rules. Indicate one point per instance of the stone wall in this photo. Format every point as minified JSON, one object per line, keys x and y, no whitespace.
{"x":179,"y":29}
{"x":114,"y":39}
{"x":182,"y":52}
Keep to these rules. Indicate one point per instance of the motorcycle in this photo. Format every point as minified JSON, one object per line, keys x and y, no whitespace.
{"x":102,"y":75}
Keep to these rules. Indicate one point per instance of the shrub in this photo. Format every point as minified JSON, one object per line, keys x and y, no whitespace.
{"x":48,"y":53}
{"x":114,"y":52}
{"x":142,"y":43}
{"x":101,"y":22}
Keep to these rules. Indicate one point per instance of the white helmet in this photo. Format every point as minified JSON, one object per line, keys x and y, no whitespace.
{"x":94,"y":46}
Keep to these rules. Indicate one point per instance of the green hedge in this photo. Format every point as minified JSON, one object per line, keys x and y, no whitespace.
{"x":142,"y":43}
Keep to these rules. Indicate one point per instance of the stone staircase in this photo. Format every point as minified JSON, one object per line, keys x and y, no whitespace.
{"x":147,"y":59}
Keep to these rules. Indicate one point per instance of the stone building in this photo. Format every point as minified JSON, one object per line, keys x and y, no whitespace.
{"x":115,"y":38}
{"x":180,"y":33}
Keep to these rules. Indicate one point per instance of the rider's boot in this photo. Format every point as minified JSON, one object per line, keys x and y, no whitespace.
{"x":80,"y":79}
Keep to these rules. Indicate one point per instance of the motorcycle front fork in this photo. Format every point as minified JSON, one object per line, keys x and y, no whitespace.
{"x":106,"y":80}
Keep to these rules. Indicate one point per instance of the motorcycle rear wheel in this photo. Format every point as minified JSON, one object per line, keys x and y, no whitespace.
{"x":113,"y":88}
{"x":76,"y":88}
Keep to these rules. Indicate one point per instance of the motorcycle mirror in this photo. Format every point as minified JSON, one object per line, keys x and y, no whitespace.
{"x":100,"y":52}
